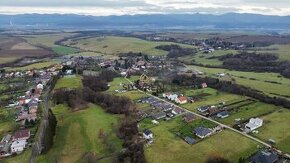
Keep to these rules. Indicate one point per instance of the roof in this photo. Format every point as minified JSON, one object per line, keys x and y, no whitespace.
{"x":201,"y":131}
{"x":147,"y":132}
{"x":6,"y":138}
{"x":159,"y":115}
{"x":22,"y":134}
{"x":264,"y":157}
{"x":189,"y":117}
{"x":182,"y":98}
{"x":223,"y":113}
{"x":190,"y":140}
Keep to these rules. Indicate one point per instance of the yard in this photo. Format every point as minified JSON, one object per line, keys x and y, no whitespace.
{"x":69,"y":82}
{"x":78,"y":133}
{"x":276,"y":126}
{"x":113,"y":45}
{"x":167,"y":147}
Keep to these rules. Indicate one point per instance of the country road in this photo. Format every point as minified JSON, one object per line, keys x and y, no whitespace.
{"x":216,"y":122}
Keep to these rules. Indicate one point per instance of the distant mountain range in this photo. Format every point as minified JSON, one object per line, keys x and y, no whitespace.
{"x":173,"y":21}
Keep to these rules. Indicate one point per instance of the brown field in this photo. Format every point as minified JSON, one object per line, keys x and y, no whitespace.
{"x":13,"y":48}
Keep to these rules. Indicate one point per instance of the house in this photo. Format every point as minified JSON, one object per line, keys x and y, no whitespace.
{"x":18,"y":146}
{"x":264,"y":157}
{"x":5,"y":145}
{"x":181,"y":100}
{"x":147,"y":134}
{"x":213,"y":111}
{"x":177,"y":111}
{"x":203,"y":85}
{"x":223,"y":114}
{"x":21,"y":135}
{"x":39,"y":86}
{"x":172,"y":97}
{"x":253,"y":124}
{"x":189,"y":140}
{"x":189,"y":117}
{"x":203,"y":109}
{"x":26,"y":116}
{"x":202,"y":132}
{"x":159,"y":115}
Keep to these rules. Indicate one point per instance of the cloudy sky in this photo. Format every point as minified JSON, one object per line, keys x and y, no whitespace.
{"x":122,"y":7}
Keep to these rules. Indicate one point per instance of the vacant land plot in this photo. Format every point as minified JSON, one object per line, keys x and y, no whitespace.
{"x":114,"y":45}
{"x":78,"y":133}
{"x":167,"y":147}
{"x":69,"y":82}
{"x":270,"y":83}
{"x":276,"y":126}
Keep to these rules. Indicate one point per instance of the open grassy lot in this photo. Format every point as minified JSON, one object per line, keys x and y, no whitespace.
{"x":254,"y":110}
{"x":22,"y":158}
{"x":282,"y":50}
{"x":78,"y":133}
{"x":167,"y":147}
{"x":209,"y":96}
{"x":74,"y":81}
{"x":39,"y":65}
{"x":114,"y":45}
{"x":205,"y":59}
{"x":269,"y":83}
{"x":276,"y":126}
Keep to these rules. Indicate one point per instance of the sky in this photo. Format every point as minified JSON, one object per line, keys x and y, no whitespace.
{"x":131,"y":7}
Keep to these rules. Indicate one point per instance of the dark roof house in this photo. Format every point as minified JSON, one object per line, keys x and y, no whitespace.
{"x":202,"y":132}
{"x":264,"y":157}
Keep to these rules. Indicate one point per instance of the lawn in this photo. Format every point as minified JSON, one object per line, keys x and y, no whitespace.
{"x":276,"y":126}
{"x":22,"y":158}
{"x":39,"y":65}
{"x":69,"y":82}
{"x":169,"y":148}
{"x":113,"y":45}
{"x":78,"y":133}
{"x":259,"y":81}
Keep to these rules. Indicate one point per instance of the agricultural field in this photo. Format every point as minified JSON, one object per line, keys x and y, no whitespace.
{"x":63,"y":50}
{"x":270,"y":83}
{"x":78,"y":134}
{"x":69,"y":82}
{"x":276,"y":126}
{"x":282,"y":50}
{"x":39,"y":65}
{"x":114,"y":45}
{"x":206,"y":59}
{"x":167,"y":147}
{"x":14,"y":48}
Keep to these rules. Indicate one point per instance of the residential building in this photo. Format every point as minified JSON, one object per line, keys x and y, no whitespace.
{"x":223,"y":114}
{"x":18,"y":146}
{"x":21,"y":135}
{"x":181,"y":100}
{"x":254,"y":123}
{"x":264,"y":157}
{"x":202,"y":132}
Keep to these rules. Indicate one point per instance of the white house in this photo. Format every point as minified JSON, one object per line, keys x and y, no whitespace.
{"x":39,"y":86}
{"x":254,"y":123}
{"x":18,"y":146}
{"x":173,"y":97}
{"x":147,"y":134}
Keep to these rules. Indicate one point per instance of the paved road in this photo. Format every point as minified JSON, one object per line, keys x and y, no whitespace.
{"x":209,"y":119}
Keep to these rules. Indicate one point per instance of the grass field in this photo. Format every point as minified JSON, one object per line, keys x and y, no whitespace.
{"x":201,"y":58}
{"x":114,"y":45}
{"x":169,"y":148}
{"x":254,"y":110}
{"x":78,"y":133}
{"x":7,"y":59}
{"x":39,"y":65}
{"x":276,"y":126}
{"x":69,"y":82}
{"x":214,"y":97}
{"x":63,"y":50}
{"x":259,"y":81}
{"x":282,"y":50}
{"x":22,"y":158}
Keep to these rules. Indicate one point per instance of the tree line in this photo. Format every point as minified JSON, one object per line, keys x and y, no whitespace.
{"x":175,"y":51}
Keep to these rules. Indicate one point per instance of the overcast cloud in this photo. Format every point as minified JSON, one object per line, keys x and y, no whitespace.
{"x":122,"y":7}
